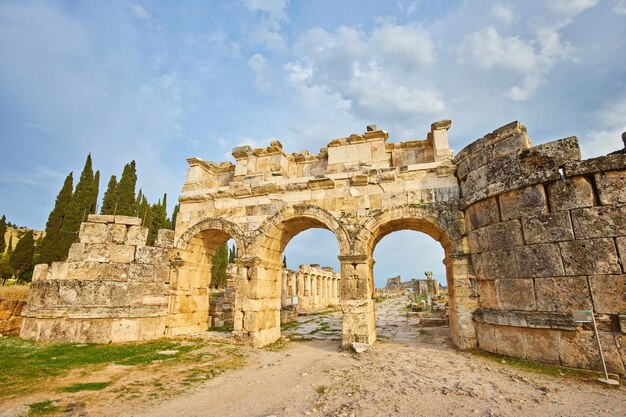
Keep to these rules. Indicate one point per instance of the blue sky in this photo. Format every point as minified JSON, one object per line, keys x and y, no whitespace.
{"x":162,"y":81}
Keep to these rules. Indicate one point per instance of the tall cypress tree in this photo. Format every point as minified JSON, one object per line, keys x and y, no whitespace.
{"x":126,"y":191}
{"x":232,"y":254}
{"x":3,"y":231}
{"x":22,"y":257}
{"x":51,"y":244}
{"x":218,"y":269}
{"x":10,"y":247}
{"x":80,"y":205}
{"x":174,"y":215}
{"x":95,"y":190}
{"x":159,"y":219}
{"x":110,"y":197}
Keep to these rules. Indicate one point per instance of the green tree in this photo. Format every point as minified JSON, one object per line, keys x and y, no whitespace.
{"x":95,"y":190}
{"x":159,"y":219}
{"x":174,"y":215}
{"x":6,"y":272}
{"x":22,"y":257}
{"x":232,"y":254}
{"x":3,"y":231}
{"x":125,"y":191}
{"x":110,"y":197}
{"x":10,"y":246}
{"x":284,"y":261}
{"x":218,"y":269}
{"x":52,"y":242}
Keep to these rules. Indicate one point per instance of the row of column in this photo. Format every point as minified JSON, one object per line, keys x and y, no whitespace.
{"x":315,"y":287}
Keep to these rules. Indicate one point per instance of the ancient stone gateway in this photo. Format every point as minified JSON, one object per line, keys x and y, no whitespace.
{"x":360,"y":188}
{"x":529,"y":234}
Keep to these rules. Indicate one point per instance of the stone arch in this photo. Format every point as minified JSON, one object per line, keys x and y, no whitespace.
{"x":274,"y":233}
{"x":190,"y":279}
{"x":445,"y":225}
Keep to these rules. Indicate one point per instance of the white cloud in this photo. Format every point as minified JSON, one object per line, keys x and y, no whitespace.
{"x":265,"y":80}
{"x":503,"y":13}
{"x":620,"y":7}
{"x":571,"y":8}
{"x":274,"y":8}
{"x":408,"y":7}
{"x":140,"y":12}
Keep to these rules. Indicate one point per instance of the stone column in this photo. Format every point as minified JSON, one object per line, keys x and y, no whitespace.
{"x":356,"y":289}
{"x":462,"y":302}
{"x":284,"y":288}
{"x":315,"y":291}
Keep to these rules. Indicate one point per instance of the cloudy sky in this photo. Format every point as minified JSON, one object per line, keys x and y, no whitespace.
{"x":162,"y":81}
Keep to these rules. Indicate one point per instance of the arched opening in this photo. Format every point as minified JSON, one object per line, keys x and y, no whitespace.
{"x":258,"y":315}
{"x":192,"y":281}
{"x":410,"y":288}
{"x":310,"y":291}
{"x":446,"y":227}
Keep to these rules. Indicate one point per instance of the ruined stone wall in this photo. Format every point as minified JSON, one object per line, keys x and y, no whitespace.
{"x":547,"y":234}
{"x":112,"y":288}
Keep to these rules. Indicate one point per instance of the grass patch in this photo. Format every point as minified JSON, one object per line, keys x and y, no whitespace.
{"x":542,"y":368}
{"x":321,"y":390}
{"x":288,"y":326}
{"x":25,"y":364}
{"x":43,"y":408}
{"x":323,"y":326}
{"x":378,"y":299}
{"x":89,"y":386}
{"x":423,"y":332}
{"x":223,"y":329}
{"x":278,"y":345}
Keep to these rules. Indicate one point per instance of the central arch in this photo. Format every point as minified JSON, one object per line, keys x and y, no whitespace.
{"x":257,"y":309}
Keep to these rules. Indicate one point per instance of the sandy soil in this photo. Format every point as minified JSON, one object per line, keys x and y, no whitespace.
{"x":412,"y":371}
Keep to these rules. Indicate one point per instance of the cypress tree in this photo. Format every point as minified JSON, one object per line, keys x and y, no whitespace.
{"x":95,"y":190}
{"x":6,"y":272}
{"x":145,"y":213}
{"x":80,"y":205}
{"x":110,"y":197}
{"x":10,"y":247}
{"x":232,"y":255}
{"x":126,"y":191}
{"x":284,"y":261}
{"x":3,"y":231}
{"x":174,"y":215}
{"x":51,"y":244}
{"x":159,"y":216}
{"x":22,"y":257}
{"x":218,"y":269}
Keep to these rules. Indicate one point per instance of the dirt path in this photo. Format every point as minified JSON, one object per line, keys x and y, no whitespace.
{"x":411,"y":372}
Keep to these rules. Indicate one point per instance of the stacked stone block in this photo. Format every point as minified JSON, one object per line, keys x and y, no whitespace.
{"x":546,"y":232}
{"x":111,"y":288}
{"x":315,"y":287}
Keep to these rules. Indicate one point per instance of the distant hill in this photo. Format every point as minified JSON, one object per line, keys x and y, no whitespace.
{"x":17,"y":233}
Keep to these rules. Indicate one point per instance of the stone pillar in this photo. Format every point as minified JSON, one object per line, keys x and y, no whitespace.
{"x":356,"y":290}
{"x":462,"y":302}
{"x":257,"y":316}
{"x":285,"y":288}
{"x":314,"y":291}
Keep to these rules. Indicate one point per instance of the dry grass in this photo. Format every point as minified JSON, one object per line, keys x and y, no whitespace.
{"x":14,"y":292}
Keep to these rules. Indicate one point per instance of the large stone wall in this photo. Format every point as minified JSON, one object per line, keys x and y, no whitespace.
{"x":547,"y":234}
{"x":112,"y":288}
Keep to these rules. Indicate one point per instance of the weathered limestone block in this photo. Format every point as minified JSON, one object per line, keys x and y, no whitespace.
{"x":96,"y":252}
{"x":611,"y":187}
{"x":516,"y":294}
{"x":151,"y":255}
{"x":599,"y":222}
{"x":542,"y":345}
{"x":116,"y":233}
{"x":40,"y":273}
{"x":505,"y":235}
{"x":76,"y":252}
{"x":510,"y":342}
{"x":482,"y":213}
{"x":547,"y":228}
{"x":58,"y":271}
{"x":498,"y":264}
{"x":137,"y":235}
{"x":547,"y":320}
{"x":590,"y":256}
{"x":511,"y":145}
{"x":542,"y":162}
{"x":478,"y":240}
{"x":487,"y":294}
{"x":562,"y":294}
{"x":609,"y":293}
{"x":486,"y":337}
{"x":621,"y":249}
{"x":596,"y":165}
{"x":165,"y":239}
{"x":580,"y":350}
{"x":128,"y":220}
{"x":121,"y":253}
{"x":100,"y":218}
{"x":542,"y":260}
{"x":528,"y":201}
{"x":571,"y":193}
{"x":92,"y":233}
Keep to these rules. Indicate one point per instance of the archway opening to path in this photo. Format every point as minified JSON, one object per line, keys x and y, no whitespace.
{"x":410,"y":287}
{"x":202,"y":282}
{"x":310,"y":286}
{"x":259,"y":315}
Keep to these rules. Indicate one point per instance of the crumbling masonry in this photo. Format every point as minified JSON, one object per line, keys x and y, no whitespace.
{"x":529,"y":234}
